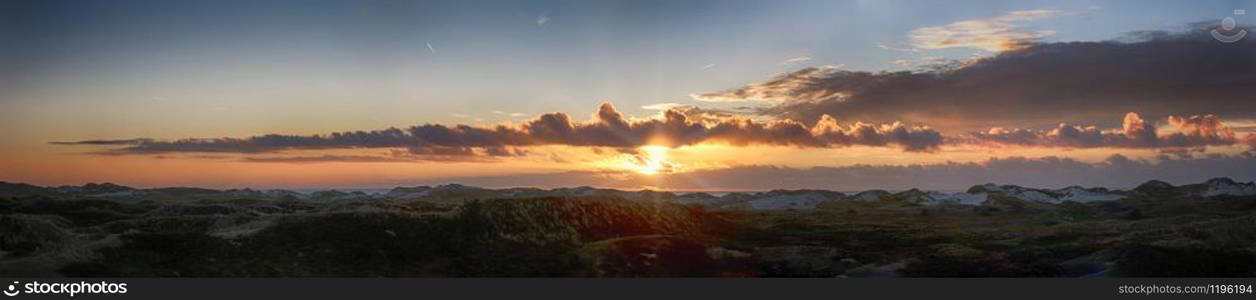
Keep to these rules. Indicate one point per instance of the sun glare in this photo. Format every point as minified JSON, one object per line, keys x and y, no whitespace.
{"x":651,"y":161}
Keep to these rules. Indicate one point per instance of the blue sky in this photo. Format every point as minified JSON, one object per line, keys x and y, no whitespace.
{"x":369,"y":61}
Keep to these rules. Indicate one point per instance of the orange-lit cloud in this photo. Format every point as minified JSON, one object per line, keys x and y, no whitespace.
{"x":1194,"y":131}
{"x":993,"y":34}
{"x":608,"y":128}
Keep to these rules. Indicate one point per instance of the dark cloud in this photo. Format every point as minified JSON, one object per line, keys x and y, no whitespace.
{"x":1194,"y":131}
{"x":105,"y":142}
{"x":1156,"y":73}
{"x":705,"y":115}
{"x":426,"y":154}
{"x":324,"y":159}
{"x":1049,"y":172}
{"x":608,"y":128}
{"x":459,"y":151}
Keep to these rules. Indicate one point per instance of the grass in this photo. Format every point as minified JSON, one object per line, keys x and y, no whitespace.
{"x":612,"y":236}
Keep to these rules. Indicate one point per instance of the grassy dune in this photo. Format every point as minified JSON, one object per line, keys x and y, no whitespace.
{"x":1165,"y":233}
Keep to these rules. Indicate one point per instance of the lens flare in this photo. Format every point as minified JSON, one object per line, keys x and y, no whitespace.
{"x":652,"y":160}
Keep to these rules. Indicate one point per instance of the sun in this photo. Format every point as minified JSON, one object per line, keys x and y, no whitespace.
{"x":652,"y":160}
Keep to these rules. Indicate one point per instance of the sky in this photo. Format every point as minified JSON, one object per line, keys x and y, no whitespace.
{"x":679,"y":95}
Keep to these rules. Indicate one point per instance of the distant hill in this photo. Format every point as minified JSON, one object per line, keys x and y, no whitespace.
{"x":770,"y":200}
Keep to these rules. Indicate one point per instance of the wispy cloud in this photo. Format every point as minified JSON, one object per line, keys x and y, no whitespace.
{"x":105,"y":142}
{"x":430,"y":48}
{"x":996,"y":34}
{"x":708,"y":66}
{"x":796,"y":59}
{"x":324,"y":159}
{"x":427,"y":154}
{"x":541,"y":20}
{"x":784,"y":88}
{"x":900,"y":49}
{"x":466,"y":116}
{"x":510,"y":114}
{"x":661,"y":106}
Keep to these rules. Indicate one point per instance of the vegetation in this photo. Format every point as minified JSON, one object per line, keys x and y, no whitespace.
{"x":209,"y":234}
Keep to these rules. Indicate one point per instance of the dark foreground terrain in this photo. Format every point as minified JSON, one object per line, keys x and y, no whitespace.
{"x":1157,"y":229}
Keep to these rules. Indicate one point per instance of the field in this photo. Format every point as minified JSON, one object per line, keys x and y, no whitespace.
{"x":458,"y":231}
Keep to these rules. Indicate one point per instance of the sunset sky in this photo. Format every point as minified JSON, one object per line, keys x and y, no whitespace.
{"x":679,"y":95}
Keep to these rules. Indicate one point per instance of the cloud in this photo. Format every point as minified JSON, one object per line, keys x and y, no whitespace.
{"x":662,"y":106}
{"x":859,"y":133}
{"x":694,"y":113}
{"x":901,"y":62}
{"x":1208,"y":127}
{"x":541,"y":20}
{"x":513,"y":114}
{"x":791,"y":87}
{"x":899,"y":49}
{"x":466,"y":116}
{"x":1194,"y":131}
{"x":608,"y":128}
{"x":1047,"y":172}
{"x":1042,"y":85}
{"x":708,"y":66}
{"x":430,"y":154}
{"x":447,"y":153}
{"x":323,"y":159}
{"x":796,"y":59}
{"x":430,"y":48}
{"x":105,"y":142}
{"x":993,"y":34}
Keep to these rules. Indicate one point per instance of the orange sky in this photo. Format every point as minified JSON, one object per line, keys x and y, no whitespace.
{"x":49,"y":165}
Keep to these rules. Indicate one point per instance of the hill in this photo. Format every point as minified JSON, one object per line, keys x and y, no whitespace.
{"x":989,"y":230}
